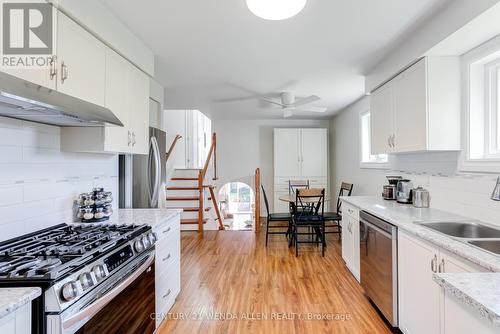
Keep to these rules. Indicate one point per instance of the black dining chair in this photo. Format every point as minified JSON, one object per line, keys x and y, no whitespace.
{"x":293,"y":185}
{"x":276,"y":217}
{"x":307,"y":219}
{"x":333,"y":219}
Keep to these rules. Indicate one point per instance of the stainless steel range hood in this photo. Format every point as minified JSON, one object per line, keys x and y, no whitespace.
{"x":23,"y":100}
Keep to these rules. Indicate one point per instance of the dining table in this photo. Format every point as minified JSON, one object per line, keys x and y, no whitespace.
{"x":292,"y":199}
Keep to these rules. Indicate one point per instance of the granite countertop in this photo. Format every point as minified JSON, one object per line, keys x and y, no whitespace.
{"x":151,"y":217}
{"x":13,"y":298}
{"x":480,"y":291}
{"x":408,"y":218}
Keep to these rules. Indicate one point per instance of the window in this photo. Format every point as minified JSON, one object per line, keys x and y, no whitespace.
{"x":369,"y":160}
{"x":482,"y":108}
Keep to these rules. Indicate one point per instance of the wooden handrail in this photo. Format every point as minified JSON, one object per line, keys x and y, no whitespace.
{"x":216,"y":206}
{"x":176,"y":139}
{"x":212,"y":153}
{"x":257,"y":200}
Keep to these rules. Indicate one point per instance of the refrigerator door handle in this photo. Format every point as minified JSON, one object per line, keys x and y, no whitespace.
{"x":157,"y":180}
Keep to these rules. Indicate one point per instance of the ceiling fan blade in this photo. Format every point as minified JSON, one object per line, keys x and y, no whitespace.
{"x":271,"y":102}
{"x":312,"y":109}
{"x":309,"y":99}
{"x":255,"y":95}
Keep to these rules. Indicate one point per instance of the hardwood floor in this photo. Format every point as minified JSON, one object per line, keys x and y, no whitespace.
{"x":239,"y":286}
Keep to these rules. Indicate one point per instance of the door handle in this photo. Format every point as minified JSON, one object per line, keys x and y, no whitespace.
{"x":53,"y":67}
{"x":64,"y":72}
{"x":389,"y":141}
{"x":441,"y":266}
{"x":393,"y":140}
{"x":133,"y":138}
{"x":129,"y":138}
{"x":166,"y":257}
{"x":434,"y":264}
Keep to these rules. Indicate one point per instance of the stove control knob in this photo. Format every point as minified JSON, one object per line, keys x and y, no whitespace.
{"x":86,"y":280}
{"x":152,"y":238}
{"x":99,"y":272}
{"x":70,"y":291}
{"x":139,"y":245}
{"x":146,"y":242}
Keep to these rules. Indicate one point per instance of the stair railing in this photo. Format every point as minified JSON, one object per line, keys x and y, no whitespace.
{"x":171,"y":149}
{"x":212,"y":156}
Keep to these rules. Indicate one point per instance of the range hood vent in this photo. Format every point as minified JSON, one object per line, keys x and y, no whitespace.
{"x":23,"y":100}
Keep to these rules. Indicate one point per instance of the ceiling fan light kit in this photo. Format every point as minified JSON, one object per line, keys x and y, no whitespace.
{"x":276,"y":10}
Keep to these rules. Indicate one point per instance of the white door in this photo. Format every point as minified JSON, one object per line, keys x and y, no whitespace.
{"x":139,"y":110}
{"x":118,"y":139}
{"x":382,"y":118}
{"x":410,"y":110}
{"x":81,"y":62}
{"x":419,"y":295}
{"x":287,"y":152}
{"x":314,"y":152}
{"x":38,"y":76}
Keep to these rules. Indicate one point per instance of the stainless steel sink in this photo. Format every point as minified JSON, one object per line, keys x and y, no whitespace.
{"x":466,"y":230}
{"x":489,"y":245}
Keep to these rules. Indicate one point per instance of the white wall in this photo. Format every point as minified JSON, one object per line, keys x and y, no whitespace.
{"x":244,"y":145}
{"x":465,"y":194}
{"x":38,"y":183}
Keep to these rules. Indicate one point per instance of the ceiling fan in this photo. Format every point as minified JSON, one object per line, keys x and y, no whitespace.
{"x":286,"y":101}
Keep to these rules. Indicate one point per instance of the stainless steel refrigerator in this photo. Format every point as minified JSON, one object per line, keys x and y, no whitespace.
{"x":148,"y":172}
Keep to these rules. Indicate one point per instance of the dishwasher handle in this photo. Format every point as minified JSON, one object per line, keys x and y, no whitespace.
{"x":378,"y":229}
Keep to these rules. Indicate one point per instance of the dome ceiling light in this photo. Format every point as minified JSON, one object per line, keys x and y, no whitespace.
{"x":276,"y":9}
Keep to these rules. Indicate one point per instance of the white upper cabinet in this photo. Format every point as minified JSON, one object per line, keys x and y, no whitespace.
{"x":139,"y":110}
{"x":287,"y":160}
{"x":81,"y":60}
{"x":314,"y":151}
{"x":419,"y":110}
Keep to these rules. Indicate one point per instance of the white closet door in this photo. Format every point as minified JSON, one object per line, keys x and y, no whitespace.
{"x":287,"y":152}
{"x":314,"y":152}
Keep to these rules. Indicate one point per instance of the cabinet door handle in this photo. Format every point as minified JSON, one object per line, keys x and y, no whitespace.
{"x":167,"y":294}
{"x":441,"y":266}
{"x":167,"y":257}
{"x":393,"y":139}
{"x":64,"y":72}
{"x":129,"y":138}
{"x":53,"y":67}
{"x":167,"y":230}
{"x":434,"y":263}
{"x":133,"y":139}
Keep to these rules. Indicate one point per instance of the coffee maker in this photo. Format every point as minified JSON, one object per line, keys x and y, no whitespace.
{"x":389,"y":193}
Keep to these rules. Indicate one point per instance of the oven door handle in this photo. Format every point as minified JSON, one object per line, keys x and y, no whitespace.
{"x":378,"y":229}
{"x":100,"y":303}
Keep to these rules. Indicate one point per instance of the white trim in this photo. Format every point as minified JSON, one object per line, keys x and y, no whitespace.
{"x":367,"y":164}
{"x":486,"y":55}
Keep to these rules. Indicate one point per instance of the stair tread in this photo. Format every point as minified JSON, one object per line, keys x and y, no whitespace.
{"x":192,"y":221}
{"x":184,"y":179}
{"x":183,"y":198}
{"x":182,"y":188}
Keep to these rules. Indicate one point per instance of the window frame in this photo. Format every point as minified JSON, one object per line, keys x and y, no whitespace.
{"x":368,"y":164}
{"x":481,"y":65}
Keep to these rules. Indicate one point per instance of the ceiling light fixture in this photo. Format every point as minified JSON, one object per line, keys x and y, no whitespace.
{"x":276,"y":9}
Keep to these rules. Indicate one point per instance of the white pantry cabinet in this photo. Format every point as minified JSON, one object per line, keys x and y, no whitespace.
{"x":299,"y":154}
{"x":167,"y":265}
{"x":350,"y":239}
{"x":81,"y":60}
{"x":418,"y":110}
{"x":421,"y":299}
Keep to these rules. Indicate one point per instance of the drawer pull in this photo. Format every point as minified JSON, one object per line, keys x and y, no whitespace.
{"x":167,"y":230}
{"x":166,"y":258}
{"x":167,"y":294}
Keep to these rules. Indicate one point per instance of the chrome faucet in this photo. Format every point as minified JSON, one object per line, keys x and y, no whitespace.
{"x":496,"y":192}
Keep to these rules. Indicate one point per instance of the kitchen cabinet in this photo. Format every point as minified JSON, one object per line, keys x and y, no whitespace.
{"x":418,"y":110}
{"x":17,"y":322}
{"x":419,"y":296}
{"x":299,"y":154}
{"x":81,"y":60}
{"x":127,"y":96}
{"x":167,"y":265}
{"x":350,"y":239}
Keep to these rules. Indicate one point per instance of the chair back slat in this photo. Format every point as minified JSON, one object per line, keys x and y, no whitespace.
{"x":265,"y":199}
{"x":311,"y":202}
{"x":345,"y":190}
{"x":293,"y":185}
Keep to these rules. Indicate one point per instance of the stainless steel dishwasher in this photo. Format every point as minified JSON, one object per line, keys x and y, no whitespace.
{"x":379,"y":264}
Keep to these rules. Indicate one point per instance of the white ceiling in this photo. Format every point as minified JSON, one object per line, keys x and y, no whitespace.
{"x":206,"y":49}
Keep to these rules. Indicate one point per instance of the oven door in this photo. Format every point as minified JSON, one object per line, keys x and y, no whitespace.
{"x":124,"y":304}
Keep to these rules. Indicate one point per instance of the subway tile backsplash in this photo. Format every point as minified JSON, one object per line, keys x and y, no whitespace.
{"x":39,"y":183}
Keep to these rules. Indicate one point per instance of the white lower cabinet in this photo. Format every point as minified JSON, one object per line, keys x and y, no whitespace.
{"x":350,"y":239}
{"x":167,"y":266}
{"x":18,"y":322}
{"x":421,"y":300}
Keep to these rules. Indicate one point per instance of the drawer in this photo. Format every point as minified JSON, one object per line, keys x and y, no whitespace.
{"x":167,"y":251}
{"x":283,"y":181}
{"x":168,"y":286}
{"x":350,"y":210}
{"x":168,"y":228}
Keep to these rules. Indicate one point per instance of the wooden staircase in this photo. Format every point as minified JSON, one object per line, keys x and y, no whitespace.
{"x":189,"y":190}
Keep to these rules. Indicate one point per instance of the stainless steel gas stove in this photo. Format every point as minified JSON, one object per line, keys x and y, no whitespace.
{"x":86,"y":272}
